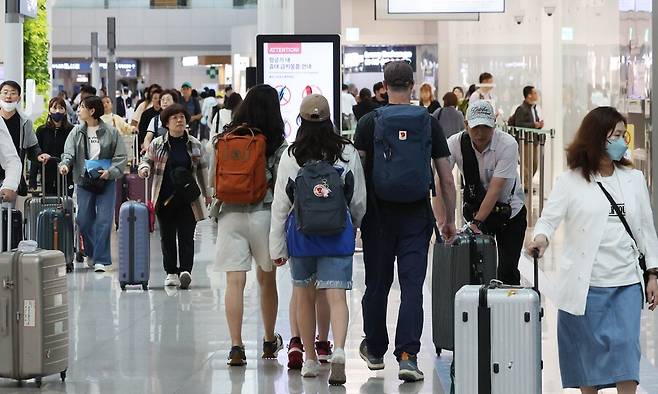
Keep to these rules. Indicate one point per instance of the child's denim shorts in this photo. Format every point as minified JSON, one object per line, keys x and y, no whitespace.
{"x":323,"y":272}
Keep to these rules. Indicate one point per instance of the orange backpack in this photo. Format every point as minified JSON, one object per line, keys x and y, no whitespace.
{"x":240,"y":166}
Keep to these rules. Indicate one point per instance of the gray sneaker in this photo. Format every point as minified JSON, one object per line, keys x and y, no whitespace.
{"x":374,"y":363}
{"x":185,"y":279}
{"x":409,"y":371}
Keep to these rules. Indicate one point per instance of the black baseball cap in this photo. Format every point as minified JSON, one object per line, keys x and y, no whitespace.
{"x":398,"y":74}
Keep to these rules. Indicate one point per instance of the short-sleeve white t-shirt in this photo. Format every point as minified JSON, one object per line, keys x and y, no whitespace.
{"x":94,"y":143}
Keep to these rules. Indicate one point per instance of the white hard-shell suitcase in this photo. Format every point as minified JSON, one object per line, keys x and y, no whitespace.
{"x":498,"y":339}
{"x":34,"y":321}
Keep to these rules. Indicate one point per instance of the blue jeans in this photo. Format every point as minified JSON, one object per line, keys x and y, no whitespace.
{"x":95,"y":217}
{"x":385,"y":238}
{"x":324,"y":272}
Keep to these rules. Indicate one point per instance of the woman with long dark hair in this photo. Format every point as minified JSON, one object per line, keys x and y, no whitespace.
{"x":243,"y":228}
{"x":610,"y":244}
{"x":52,"y":137}
{"x":317,"y":140}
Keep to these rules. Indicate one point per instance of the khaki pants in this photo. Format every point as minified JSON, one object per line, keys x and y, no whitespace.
{"x":530,"y":169}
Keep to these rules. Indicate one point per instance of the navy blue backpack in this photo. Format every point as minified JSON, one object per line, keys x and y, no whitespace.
{"x":402,"y":169}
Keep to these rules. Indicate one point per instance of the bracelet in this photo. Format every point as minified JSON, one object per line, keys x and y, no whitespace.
{"x":477,"y":223}
{"x":652,"y":271}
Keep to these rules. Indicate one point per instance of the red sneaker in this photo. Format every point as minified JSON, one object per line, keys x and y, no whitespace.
{"x":323,"y":349}
{"x":295,"y":353}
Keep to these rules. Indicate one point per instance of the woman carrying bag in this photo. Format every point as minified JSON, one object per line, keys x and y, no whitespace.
{"x":180,"y":172}
{"x":609,"y":261}
{"x":96,"y":154}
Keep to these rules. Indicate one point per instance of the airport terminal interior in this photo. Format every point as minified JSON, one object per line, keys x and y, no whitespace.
{"x":563,"y":59}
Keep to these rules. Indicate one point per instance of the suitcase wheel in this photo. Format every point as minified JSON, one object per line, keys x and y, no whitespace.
{"x":123,"y":285}
{"x":145,"y":286}
{"x":62,"y":375}
{"x":38,"y":382}
{"x":438,"y":351}
{"x":69,"y":268}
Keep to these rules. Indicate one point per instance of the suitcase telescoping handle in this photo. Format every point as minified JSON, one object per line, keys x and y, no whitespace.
{"x":62,"y":180}
{"x":137,"y":149}
{"x":8,"y":207}
{"x":535,"y":265}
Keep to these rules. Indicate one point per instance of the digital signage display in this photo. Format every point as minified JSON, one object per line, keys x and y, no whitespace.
{"x":297,"y":66}
{"x":444,"y":6}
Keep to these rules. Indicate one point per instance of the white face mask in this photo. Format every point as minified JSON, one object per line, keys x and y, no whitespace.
{"x":9,"y":107}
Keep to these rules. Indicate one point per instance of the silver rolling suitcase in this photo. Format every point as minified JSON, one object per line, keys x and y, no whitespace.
{"x":498,"y":339}
{"x":34,"y":322}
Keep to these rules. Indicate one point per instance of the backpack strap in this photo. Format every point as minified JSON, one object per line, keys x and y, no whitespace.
{"x":473,"y":185}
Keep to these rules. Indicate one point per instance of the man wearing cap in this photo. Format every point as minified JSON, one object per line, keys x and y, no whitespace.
{"x":192,"y":106}
{"x":493,"y":195}
{"x":399,"y":230}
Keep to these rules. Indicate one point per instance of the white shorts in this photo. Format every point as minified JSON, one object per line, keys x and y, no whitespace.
{"x":241,"y":237}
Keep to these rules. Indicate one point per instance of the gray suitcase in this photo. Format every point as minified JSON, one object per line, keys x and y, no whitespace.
{"x":35,"y":205}
{"x":34,"y":322}
{"x":470,"y":259}
{"x":498,"y":339}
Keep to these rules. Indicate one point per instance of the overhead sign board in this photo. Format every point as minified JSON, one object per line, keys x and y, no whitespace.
{"x":374,"y":58}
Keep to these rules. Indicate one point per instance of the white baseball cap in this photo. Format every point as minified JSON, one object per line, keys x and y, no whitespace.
{"x":480,"y":113}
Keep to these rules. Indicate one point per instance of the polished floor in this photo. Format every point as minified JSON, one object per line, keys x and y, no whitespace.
{"x":172,"y":341}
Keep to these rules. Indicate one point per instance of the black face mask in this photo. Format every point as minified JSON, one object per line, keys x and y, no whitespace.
{"x":57,"y":117}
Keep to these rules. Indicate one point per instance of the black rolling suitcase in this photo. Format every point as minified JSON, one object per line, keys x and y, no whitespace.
{"x":470,"y":259}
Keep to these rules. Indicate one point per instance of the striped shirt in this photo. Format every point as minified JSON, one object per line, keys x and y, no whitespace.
{"x":155,"y":161}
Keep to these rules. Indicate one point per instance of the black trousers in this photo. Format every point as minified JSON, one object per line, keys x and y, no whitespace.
{"x":389,"y":238}
{"x":509,"y":240}
{"x":177,"y":223}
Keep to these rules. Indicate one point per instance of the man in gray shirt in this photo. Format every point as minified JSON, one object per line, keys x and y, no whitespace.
{"x":495,"y":197}
{"x":450,"y":119}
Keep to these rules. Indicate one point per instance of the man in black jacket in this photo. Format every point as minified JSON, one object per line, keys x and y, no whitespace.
{"x":527,"y":115}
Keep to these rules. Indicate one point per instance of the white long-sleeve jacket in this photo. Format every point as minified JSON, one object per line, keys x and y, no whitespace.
{"x":584,"y":209}
{"x":9,"y":159}
{"x":281,"y":206}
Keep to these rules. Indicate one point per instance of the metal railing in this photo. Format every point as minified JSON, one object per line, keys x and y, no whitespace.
{"x":527,"y":139}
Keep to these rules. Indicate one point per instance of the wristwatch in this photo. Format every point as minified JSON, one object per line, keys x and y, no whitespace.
{"x":477,"y":224}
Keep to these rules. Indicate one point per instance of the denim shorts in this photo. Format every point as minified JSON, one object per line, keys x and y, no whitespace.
{"x":323,"y":272}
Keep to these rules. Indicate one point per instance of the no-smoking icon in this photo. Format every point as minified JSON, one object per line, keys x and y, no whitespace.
{"x":284,"y":94}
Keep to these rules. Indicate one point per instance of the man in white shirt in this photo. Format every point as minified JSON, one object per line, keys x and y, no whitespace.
{"x":10,"y":161}
{"x":347,"y":101}
{"x":485,"y":90}
{"x":493,"y":194}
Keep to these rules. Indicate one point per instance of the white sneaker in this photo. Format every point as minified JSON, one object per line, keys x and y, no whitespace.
{"x":185,"y":280}
{"x":337,"y":372}
{"x":311,"y":368}
{"x":338,"y":356}
{"x":172,"y":280}
{"x":99,"y":268}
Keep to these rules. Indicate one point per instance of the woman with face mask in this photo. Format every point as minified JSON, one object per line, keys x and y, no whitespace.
{"x":52,"y":136}
{"x":609,"y":260}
